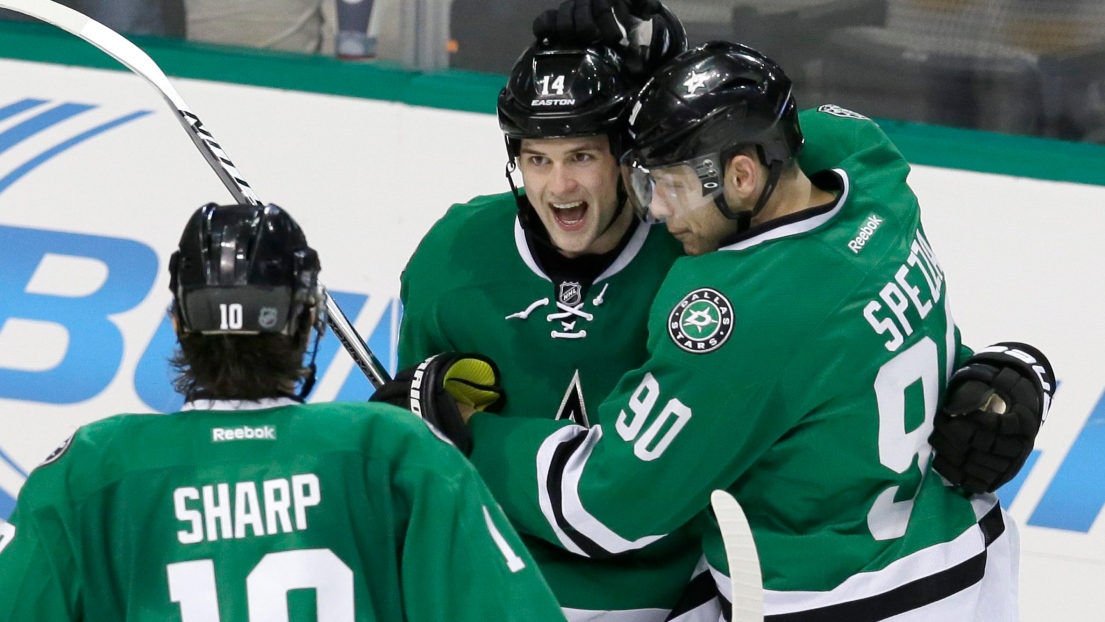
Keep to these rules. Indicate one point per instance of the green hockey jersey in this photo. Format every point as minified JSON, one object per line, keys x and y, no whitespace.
{"x":322,"y":512}
{"x":800,"y":367}
{"x":474,"y":285}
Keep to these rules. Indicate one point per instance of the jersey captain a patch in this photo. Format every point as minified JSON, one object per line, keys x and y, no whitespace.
{"x":702,"y":321}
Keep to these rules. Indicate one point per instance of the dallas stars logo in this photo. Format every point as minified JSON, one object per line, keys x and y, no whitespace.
{"x":696,"y":81}
{"x":702,"y":321}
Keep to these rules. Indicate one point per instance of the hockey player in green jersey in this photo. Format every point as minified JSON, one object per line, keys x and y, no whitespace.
{"x":559,"y":294}
{"x":251,"y":505}
{"x":555,"y":285}
{"x":797,"y":359}
{"x":975,"y":447}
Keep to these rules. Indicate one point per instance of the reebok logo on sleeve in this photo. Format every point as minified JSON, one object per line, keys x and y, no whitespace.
{"x":262,"y":433}
{"x":866,"y":231}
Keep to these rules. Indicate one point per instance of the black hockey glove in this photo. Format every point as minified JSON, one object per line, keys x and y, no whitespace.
{"x":994,"y":408}
{"x":644,"y":32}
{"x":433,"y":388}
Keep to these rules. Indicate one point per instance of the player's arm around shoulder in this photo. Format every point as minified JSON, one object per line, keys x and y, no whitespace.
{"x":836,"y":137}
{"x":503,"y":451}
{"x":689,"y":420}
{"x":461,"y":558}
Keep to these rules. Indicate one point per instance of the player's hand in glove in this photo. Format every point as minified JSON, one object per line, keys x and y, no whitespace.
{"x":994,"y":408}
{"x":445,"y":390}
{"x":644,"y":32}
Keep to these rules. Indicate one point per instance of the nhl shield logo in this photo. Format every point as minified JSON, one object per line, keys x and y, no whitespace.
{"x":267,"y":318}
{"x":571,"y":293}
{"x":702,"y":321}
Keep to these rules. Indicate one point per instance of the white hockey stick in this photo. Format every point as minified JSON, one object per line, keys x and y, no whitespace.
{"x":115,"y":46}
{"x":740,"y":552}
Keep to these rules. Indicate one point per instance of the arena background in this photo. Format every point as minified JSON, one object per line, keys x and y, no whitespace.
{"x":97,"y":179}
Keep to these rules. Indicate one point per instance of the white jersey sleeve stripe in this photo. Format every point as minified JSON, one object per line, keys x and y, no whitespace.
{"x":723,"y":582}
{"x":544,"y":465}
{"x":578,"y":516}
{"x":924,"y":563}
{"x":558,"y":482}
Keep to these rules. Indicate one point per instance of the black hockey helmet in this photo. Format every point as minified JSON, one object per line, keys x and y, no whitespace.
{"x":565,"y":90}
{"x":244,"y":269}
{"x":706,"y":105}
{"x":562,"y":90}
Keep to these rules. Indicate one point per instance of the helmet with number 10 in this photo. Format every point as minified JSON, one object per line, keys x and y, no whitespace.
{"x":246,"y":297}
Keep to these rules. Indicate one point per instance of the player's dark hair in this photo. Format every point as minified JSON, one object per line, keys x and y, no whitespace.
{"x":240,"y":367}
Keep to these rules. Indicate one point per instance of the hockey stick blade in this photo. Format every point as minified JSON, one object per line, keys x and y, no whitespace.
{"x":744,"y":562}
{"x":132,"y":57}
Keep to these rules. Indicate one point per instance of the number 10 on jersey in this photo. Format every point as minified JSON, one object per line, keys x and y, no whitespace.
{"x":192,"y":584}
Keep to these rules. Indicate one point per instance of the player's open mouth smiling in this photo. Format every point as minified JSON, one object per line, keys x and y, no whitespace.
{"x":570,"y":216}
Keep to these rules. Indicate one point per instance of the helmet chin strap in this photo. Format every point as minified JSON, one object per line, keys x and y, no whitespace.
{"x":744,"y":217}
{"x":527,"y":215}
{"x":319,"y":327}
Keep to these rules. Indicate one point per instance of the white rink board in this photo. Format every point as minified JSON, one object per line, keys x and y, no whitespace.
{"x":367,"y":178}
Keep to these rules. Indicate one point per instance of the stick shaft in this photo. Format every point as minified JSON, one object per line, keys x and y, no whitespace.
{"x":740,"y":552}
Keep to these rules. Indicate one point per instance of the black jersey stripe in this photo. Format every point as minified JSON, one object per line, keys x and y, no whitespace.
{"x":555,"y":484}
{"x":701,"y":590}
{"x":912,"y":595}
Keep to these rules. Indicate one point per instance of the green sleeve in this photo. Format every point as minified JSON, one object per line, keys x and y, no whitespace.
{"x":964,"y":351}
{"x":503,"y":453}
{"x":38,"y":576}
{"x":661,"y":419}
{"x":833,"y":141}
{"x":419,"y":334}
{"x":462,"y":561}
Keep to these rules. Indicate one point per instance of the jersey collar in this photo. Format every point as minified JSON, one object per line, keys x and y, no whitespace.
{"x":624,"y":258}
{"x":798,"y":222}
{"x":268,"y":402}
